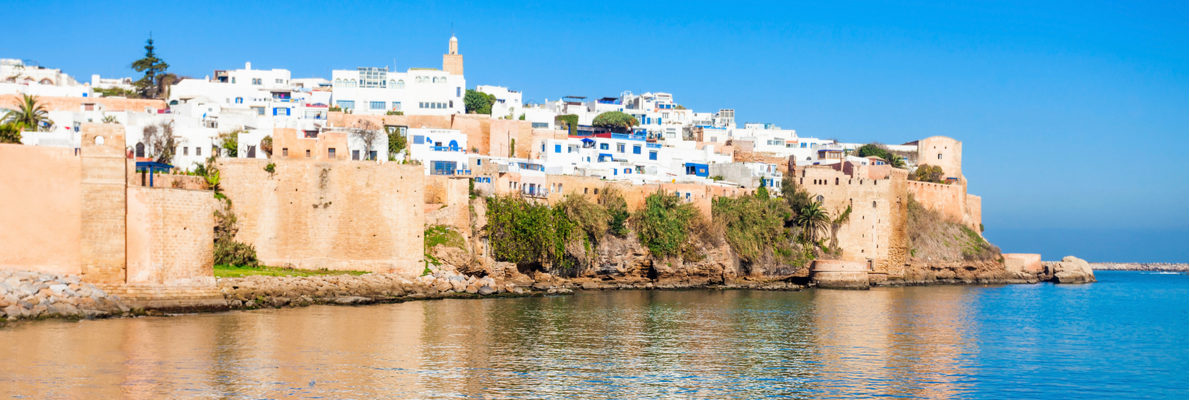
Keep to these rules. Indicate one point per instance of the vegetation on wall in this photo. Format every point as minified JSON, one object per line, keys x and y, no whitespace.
{"x":569,"y":121}
{"x":476,"y":102}
{"x":228,"y":251}
{"x":664,"y":224}
{"x":230,"y":143}
{"x":615,"y":121}
{"x":396,"y":141}
{"x":266,"y":145}
{"x":932,"y":237}
{"x":116,"y":92}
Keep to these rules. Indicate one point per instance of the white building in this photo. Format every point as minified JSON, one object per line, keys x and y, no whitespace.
{"x":508,"y":102}
{"x":441,"y":151}
{"x":417,"y":91}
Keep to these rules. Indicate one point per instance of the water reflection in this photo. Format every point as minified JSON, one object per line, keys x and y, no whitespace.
{"x":910,"y":342}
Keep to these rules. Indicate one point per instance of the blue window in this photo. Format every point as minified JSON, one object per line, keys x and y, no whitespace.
{"x":652,"y":155}
{"x":620,"y":147}
{"x":346,"y":104}
{"x":397,"y":105}
{"x":419,"y":139}
{"x":442,"y":168}
{"x":458,"y":91}
{"x":478,"y":161}
{"x":280,"y":111}
{"x":603,"y":146}
{"x":376,"y":105}
{"x":557,"y":148}
{"x":636,"y":149}
{"x":239,"y":100}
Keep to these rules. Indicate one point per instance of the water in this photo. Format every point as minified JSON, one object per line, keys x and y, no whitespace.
{"x":1124,"y":337}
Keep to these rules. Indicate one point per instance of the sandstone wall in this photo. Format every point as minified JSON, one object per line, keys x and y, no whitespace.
{"x":288,"y":143}
{"x":104,"y":180}
{"x":336,"y":215}
{"x":111,"y":104}
{"x":40,"y":189}
{"x":170,"y":236}
{"x":875,"y":230}
{"x":1022,"y":262}
{"x":944,"y":152}
{"x":952,"y":201}
{"x":446,"y":203}
{"x":78,"y":215}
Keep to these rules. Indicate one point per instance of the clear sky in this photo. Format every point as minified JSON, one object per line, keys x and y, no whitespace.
{"x":1073,"y":114}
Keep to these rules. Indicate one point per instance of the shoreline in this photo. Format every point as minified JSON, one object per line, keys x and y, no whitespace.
{"x":257,"y":292}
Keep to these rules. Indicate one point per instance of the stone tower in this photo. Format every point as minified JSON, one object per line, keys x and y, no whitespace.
{"x":452,"y":61}
{"x":103,"y":203}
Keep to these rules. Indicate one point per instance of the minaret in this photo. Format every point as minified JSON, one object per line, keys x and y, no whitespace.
{"x":452,"y":61}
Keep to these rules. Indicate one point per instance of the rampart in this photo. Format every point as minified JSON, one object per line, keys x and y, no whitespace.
{"x":78,"y":215}
{"x":876,"y":230}
{"x":342,"y":215}
{"x":951,"y":200}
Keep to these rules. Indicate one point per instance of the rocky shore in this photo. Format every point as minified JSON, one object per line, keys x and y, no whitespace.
{"x":28,"y":295}
{"x":32,"y":295}
{"x":1161,"y":267}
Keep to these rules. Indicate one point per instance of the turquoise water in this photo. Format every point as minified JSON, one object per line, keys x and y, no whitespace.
{"x":1124,"y":337}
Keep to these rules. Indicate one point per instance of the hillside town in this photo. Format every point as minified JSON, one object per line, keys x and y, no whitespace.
{"x":257,"y":113}
{"x":144,"y":185}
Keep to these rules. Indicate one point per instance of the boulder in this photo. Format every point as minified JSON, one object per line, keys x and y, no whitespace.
{"x":1071,"y":270}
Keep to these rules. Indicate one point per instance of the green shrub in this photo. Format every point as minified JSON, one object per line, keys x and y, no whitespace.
{"x":754,"y":226}
{"x":10,"y":133}
{"x":617,"y":211}
{"x":442,"y":235}
{"x":270,"y":168}
{"x":663,"y":225}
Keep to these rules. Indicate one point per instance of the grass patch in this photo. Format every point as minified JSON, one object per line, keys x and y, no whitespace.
{"x":230,"y":271}
{"x":933,"y":237}
{"x":442,"y":234}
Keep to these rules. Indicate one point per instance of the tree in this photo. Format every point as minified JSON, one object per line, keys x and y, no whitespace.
{"x":813,"y":221}
{"x":164,"y":81}
{"x":366,"y":131}
{"x":396,"y":141}
{"x":152,"y":66}
{"x":29,"y":114}
{"x":266,"y":145}
{"x":161,"y":142}
{"x":10,"y":133}
{"x":476,"y":102}
{"x":109,"y":119}
{"x":616,"y":121}
{"x":878,"y":150}
{"x":762,"y":192}
{"x":928,"y":173}
{"x":230,"y":142}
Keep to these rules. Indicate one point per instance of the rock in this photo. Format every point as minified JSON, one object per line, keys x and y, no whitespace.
{"x":14,"y":311}
{"x":1071,"y":270}
{"x":351,"y":300}
{"x":485,"y":290}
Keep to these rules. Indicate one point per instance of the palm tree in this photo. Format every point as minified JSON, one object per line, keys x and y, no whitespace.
{"x":813,"y":221}
{"x":29,"y":115}
{"x":896,"y":162}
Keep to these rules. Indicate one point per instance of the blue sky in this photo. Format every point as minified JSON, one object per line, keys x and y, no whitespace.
{"x":1073,"y":114}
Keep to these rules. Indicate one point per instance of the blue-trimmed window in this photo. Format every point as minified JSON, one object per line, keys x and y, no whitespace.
{"x":346,"y":104}
{"x":419,"y":139}
{"x":376,"y":105}
{"x":653,"y":155}
{"x":636,"y":149}
{"x":620,"y":147}
{"x":603,"y":146}
{"x":557,"y":148}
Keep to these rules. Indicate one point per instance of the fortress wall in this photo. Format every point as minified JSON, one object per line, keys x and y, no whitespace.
{"x":446,"y":203}
{"x":949,"y":200}
{"x":944,"y":152}
{"x":974,"y":215}
{"x":874,"y":231}
{"x":41,"y":194}
{"x":110,"y":104}
{"x":170,"y":236}
{"x":334,"y":215}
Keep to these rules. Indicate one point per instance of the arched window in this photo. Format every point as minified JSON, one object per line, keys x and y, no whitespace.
{"x":454,"y":146}
{"x":819,"y":198}
{"x":140,"y":149}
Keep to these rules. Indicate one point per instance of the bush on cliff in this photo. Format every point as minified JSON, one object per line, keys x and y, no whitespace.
{"x":617,"y":211}
{"x":526,"y":233}
{"x":934,"y":238}
{"x":753,"y":226}
{"x":664,"y":224}
{"x":228,"y":251}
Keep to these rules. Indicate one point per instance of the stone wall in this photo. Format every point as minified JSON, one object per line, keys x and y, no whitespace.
{"x":109,"y":104}
{"x":446,"y":203}
{"x":344,"y":215}
{"x":78,"y":215}
{"x":170,"y":236}
{"x":1022,"y":262}
{"x":876,"y":228}
{"x":944,"y":152}
{"x":41,"y":194}
{"x":950,"y":200}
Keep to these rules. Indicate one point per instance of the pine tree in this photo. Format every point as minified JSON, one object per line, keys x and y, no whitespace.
{"x":152,"y":66}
